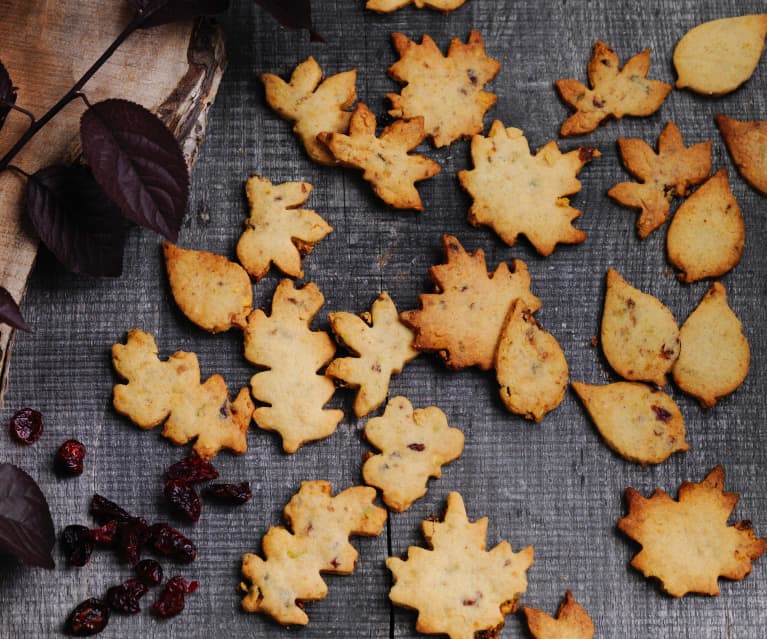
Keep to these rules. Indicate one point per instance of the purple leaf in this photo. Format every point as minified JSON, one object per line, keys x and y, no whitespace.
{"x":293,"y":14}
{"x":138,"y":163}
{"x":78,"y":223}
{"x":174,"y":10}
{"x":7,"y":94}
{"x":10,"y":313}
{"x":26,"y":527}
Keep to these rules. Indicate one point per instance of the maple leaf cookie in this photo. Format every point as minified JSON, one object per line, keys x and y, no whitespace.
{"x":388,"y":6}
{"x":747,"y":144}
{"x":572,"y":621}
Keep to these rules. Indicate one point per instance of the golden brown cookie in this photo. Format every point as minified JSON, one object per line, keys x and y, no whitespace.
{"x":414,"y":446}
{"x":517,"y":193}
{"x":686,"y":543}
{"x":388,"y":6}
{"x":170,"y":391}
{"x":639,"y":335}
{"x":715,"y":355}
{"x":615,"y":92}
{"x":292,"y":353}
{"x":313,"y":104}
{"x":457,"y":587}
{"x":211,"y":291}
{"x":572,"y":621}
{"x":382,"y":345}
{"x":670,"y":172}
{"x":386,"y":160}
{"x":530,"y":365}
{"x":716,"y":57}
{"x":321,"y":526}
{"x":640,"y":423}
{"x":747,"y":143}
{"x":446,"y":90}
{"x":706,"y":236}
{"x":462,"y":321}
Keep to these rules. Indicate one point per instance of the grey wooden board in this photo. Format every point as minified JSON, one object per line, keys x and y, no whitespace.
{"x":555,"y":485}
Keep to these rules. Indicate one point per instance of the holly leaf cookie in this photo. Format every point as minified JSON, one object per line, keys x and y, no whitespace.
{"x":414,"y":446}
{"x":615,"y":92}
{"x":686,"y":543}
{"x":747,"y":144}
{"x":457,"y":587}
{"x":672,"y":171}
{"x":462,"y":321}
{"x":572,"y":621}
{"x":517,"y":193}
{"x":446,"y":90}
{"x":388,"y":6}
{"x":386,"y":160}
{"x":382,"y":345}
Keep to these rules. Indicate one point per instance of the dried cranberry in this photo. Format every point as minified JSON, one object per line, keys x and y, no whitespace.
{"x":105,"y":535}
{"x":26,"y":426}
{"x":192,"y":469}
{"x":169,"y":541}
{"x":89,"y":618}
{"x":171,"y":599}
{"x":130,"y":539}
{"x":149,"y":571}
{"x":69,"y":458}
{"x":77,"y":544}
{"x":230,"y":494}
{"x":104,"y":511}
{"x":125,"y":597}
{"x":183,"y":499}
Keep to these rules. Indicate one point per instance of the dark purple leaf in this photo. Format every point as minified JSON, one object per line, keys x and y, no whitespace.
{"x":10,"y":313}
{"x":78,"y":223}
{"x":163,"y":11}
{"x":7,"y":94}
{"x":138,"y":163}
{"x":293,"y":14}
{"x":26,"y":527}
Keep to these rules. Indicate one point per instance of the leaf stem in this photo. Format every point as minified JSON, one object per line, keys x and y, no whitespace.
{"x":16,"y":107}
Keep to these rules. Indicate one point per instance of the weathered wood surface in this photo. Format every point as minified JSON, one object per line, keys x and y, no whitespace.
{"x":554,"y":485}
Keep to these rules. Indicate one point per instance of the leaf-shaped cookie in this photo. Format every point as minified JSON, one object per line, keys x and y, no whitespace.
{"x":716,"y":57}
{"x":638,"y":422}
{"x":615,"y":92}
{"x":462,"y":321}
{"x":446,"y":90}
{"x":670,"y":172}
{"x":387,"y":6}
{"x":747,"y":144}
{"x":292,"y":390}
{"x":457,"y":587}
{"x":516,"y":193}
{"x":313,"y":104}
{"x":387,"y":164}
{"x":706,"y":236}
{"x":572,"y":621}
{"x":211,"y":291}
{"x":715,"y":355}
{"x":686,"y":543}
{"x":382,"y":345}
{"x":414,"y":446}
{"x":276,"y":231}
{"x":639,"y":335}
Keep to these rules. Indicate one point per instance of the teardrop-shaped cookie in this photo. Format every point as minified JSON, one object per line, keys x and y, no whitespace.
{"x":747,"y":143}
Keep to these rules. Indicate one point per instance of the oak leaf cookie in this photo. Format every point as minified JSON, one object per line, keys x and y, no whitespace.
{"x":747,"y":144}
{"x":715,"y":356}
{"x":670,"y":172}
{"x":716,"y":57}
{"x":706,"y":236}
{"x":386,"y":160}
{"x":462,"y":321}
{"x":414,"y":446}
{"x":276,"y":231}
{"x":292,"y":353}
{"x":517,"y":193}
{"x":446,"y":90}
{"x":572,"y":621}
{"x":639,"y":335}
{"x":530,"y":365}
{"x":387,"y":6}
{"x":313,"y":104}
{"x":382,"y":345}
{"x":321,"y":525}
{"x":211,"y":291}
{"x":640,"y":423}
{"x":614,"y":92}
{"x":170,"y":391}
{"x":457,"y":587}
{"x":686,"y":543}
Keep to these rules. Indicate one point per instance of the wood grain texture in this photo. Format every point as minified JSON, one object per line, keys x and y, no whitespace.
{"x":555,"y":485}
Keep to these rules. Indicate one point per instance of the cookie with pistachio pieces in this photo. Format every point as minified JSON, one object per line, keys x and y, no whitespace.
{"x":388,"y":6}
{"x":747,"y":144}
{"x":572,"y":621}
